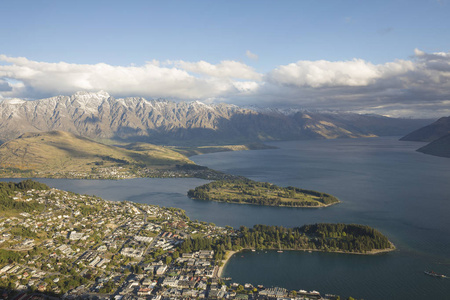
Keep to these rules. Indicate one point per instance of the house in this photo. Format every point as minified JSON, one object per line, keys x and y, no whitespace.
{"x":75,"y":236}
{"x":144,"y":291}
{"x":161,"y":270}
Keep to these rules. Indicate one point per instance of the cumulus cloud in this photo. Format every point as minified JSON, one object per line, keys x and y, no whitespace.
{"x":317,"y":74}
{"x":225,"y":69}
{"x":417,"y":87}
{"x":177,"y":80}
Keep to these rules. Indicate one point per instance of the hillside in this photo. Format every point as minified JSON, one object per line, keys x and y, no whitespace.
{"x":62,"y":154}
{"x":439,"y":147}
{"x":100,"y":116}
{"x":430,"y":132}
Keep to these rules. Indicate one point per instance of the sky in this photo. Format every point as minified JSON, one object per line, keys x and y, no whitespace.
{"x":384,"y":57}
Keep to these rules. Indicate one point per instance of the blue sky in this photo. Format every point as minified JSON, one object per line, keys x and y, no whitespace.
{"x":244,"y":52}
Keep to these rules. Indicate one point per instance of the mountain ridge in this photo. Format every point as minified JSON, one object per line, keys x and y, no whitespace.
{"x":431,"y":132}
{"x":439,"y":147}
{"x":135,"y":119}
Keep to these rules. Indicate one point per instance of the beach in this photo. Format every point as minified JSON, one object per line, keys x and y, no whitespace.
{"x":227,"y":256}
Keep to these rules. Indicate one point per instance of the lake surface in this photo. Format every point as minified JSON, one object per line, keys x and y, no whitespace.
{"x":381,"y":182}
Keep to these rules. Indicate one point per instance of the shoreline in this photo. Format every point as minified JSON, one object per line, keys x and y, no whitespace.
{"x":230,"y":253}
{"x":290,"y":206}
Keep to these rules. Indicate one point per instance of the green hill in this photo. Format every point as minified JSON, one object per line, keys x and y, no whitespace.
{"x":62,"y":154}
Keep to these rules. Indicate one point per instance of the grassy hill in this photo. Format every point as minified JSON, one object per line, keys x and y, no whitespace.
{"x":62,"y":154}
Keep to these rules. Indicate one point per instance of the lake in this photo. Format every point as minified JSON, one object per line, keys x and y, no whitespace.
{"x":382,"y":182}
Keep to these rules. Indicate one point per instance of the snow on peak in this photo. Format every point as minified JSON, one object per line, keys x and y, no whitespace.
{"x":89,"y":101}
{"x":200,"y":104}
{"x":99,"y":95}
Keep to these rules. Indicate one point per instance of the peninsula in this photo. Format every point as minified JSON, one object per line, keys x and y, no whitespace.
{"x":247,"y":191}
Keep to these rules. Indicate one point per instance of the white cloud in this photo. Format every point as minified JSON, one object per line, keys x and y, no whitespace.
{"x":246,"y":87}
{"x":225,"y":69}
{"x":317,"y":74}
{"x":151,"y":80}
{"x":251,"y":55}
{"x":420,"y":85}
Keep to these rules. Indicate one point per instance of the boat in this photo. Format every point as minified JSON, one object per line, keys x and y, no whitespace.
{"x":280,"y":251}
{"x":434,"y":274}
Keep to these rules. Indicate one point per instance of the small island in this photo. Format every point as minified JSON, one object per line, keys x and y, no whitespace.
{"x":247,"y":191}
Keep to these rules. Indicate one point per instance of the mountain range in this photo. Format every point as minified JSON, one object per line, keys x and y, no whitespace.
{"x":100,"y":116}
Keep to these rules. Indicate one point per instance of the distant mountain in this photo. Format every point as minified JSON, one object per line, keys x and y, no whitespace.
{"x":63,"y":154}
{"x":100,"y":116}
{"x":439,"y":147}
{"x":431,"y":132}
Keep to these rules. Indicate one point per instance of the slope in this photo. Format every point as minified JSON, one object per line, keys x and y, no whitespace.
{"x":62,"y":154}
{"x":431,"y":132}
{"x":439,"y":147}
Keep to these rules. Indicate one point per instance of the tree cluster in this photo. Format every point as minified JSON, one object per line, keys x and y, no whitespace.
{"x":325,"y":237}
{"x":8,"y":189}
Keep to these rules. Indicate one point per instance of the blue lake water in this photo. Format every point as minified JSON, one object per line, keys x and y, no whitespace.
{"x":381,"y":182}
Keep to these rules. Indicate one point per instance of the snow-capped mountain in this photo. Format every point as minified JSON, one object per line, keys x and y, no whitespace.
{"x":99,"y":116}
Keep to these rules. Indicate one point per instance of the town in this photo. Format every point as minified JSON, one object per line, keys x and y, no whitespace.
{"x":77,"y":246}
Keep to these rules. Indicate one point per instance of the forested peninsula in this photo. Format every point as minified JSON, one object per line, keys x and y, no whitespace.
{"x":260,"y":193}
{"x":346,"y":238}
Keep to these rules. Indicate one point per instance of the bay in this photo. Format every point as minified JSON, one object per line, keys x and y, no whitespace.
{"x":382,"y":182}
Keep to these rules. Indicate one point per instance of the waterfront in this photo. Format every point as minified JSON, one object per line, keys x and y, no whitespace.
{"x":381,"y":182}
